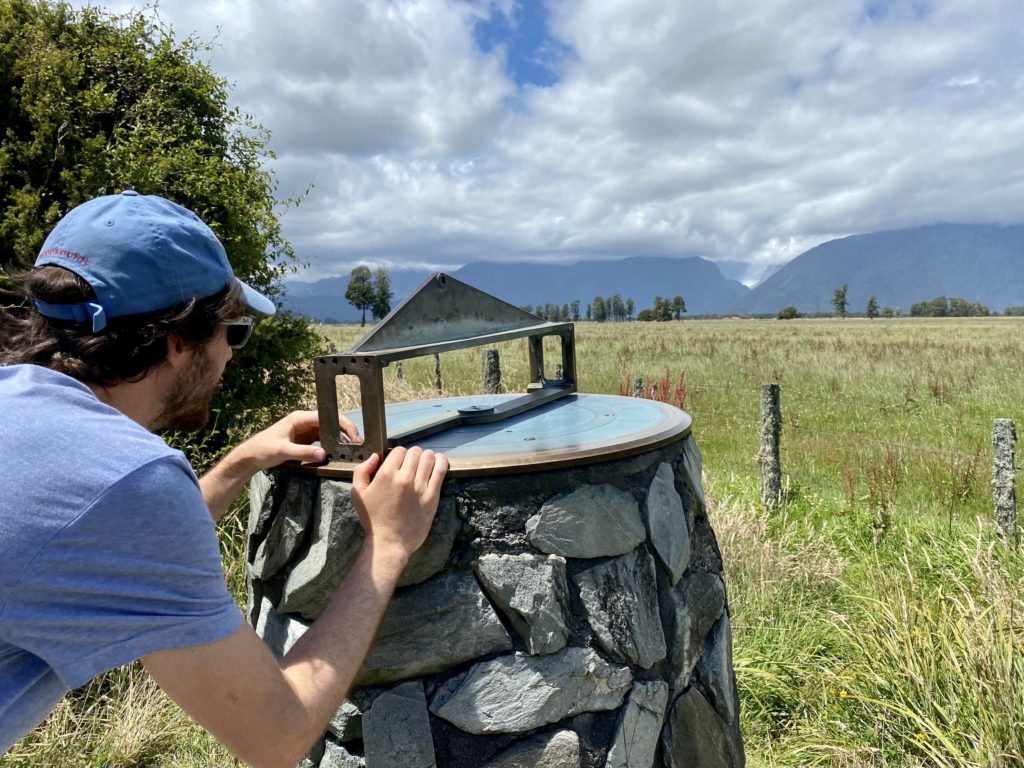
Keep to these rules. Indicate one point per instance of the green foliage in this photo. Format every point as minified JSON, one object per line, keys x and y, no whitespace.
{"x":382,"y":293}
{"x":93,"y":103}
{"x":1014,"y":311}
{"x":664,"y":309}
{"x":360,"y":293}
{"x":839,"y":300}
{"x":872,"y":309}
{"x":788,"y":313}
{"x":941,"y":306}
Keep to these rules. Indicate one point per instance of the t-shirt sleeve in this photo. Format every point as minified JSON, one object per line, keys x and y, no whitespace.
{"x":139,"y":571}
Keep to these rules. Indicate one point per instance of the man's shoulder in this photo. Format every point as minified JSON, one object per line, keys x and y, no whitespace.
{"x":61,"y":422}
{"x":65,"y":448}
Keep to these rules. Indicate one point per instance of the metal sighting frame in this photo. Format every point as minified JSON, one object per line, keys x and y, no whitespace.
{"x":442,"y":315}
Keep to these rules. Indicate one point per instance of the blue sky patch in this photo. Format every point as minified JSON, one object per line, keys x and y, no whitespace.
{"x":532,"y":55}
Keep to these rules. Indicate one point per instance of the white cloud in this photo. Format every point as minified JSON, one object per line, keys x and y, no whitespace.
{"x":733,"y":130}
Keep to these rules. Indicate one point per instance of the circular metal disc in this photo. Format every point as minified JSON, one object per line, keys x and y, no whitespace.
{"x":577,"y":429}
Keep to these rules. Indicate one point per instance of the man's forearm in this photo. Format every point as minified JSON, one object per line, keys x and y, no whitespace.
{"x":222,"y":484}
{"x":322,"y":665}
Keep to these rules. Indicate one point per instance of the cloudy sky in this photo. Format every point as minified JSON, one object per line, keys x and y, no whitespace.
{"x":438,"y":132}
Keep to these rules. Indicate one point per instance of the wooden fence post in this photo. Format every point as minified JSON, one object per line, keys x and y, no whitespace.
{"x":437,"y":374}
{"x":768,"y":454}
{"x":1004,"y":487}
{"x":638,"y":386}
{"x":492,"y":372}
{"x":398,"y":371}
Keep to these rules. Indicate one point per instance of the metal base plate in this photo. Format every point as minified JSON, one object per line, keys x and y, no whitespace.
{"x":575,"y":430}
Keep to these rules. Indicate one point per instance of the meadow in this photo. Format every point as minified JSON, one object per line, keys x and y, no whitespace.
{"x":878,"y":619}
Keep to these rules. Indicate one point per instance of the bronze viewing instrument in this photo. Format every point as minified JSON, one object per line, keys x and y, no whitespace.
{"x":548,"y":426}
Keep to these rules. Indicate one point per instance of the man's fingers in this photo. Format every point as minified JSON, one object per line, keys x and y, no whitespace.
{"x":363,"y":473}
{"x":424,"y":468}
{"x":299,"y":452}
{"x":437,"y":474}
{"x":350,"y":429}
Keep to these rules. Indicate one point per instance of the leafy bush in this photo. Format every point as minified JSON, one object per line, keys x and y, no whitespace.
{"x":94,"y":103}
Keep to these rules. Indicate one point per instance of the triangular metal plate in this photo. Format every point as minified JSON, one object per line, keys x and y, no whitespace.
{"x":444,"y":309}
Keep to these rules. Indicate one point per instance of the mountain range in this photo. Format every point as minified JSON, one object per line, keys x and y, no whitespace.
{"x":978,"y":262}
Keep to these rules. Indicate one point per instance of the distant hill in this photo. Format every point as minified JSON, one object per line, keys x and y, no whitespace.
{"x":640,"y":278}
{"x":978,"y":262}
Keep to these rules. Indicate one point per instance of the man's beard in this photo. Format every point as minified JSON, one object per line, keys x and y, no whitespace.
{"x":188,"y":406}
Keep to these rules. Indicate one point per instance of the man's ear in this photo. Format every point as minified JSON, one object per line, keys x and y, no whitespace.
{"x":178,"y":351}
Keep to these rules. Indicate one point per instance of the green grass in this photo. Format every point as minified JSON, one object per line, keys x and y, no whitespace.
{"x":878,"y":620}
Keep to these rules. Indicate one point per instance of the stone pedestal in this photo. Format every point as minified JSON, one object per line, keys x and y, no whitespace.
{"x":571,"y":617}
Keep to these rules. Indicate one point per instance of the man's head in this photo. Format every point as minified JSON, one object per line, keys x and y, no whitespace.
{"x":121,"y":282}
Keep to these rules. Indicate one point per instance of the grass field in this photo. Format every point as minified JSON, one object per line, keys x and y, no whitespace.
{"x":878,"y":620}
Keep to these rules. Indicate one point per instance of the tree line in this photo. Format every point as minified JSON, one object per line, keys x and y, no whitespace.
{"x":940,"y":306}
{"x":610,"y":309}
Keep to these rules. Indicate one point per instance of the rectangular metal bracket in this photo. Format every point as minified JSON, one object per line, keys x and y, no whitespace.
{"x":368,"y":367}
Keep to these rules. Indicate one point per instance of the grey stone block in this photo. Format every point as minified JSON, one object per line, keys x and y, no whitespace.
{"x":545,"y":750}
{"x":279,"y":631}
{"x":337,"y":536}
{"x":287,"y":532}
{"x":666,"y":523}
{"x":532,"y":592}
{"x":693,"y":466}
{"x":518,"y":693}
{"x":336,"y":756}
{"x":621,"y":603}
{"x":693,"y":736}
{"x":347,"y":723}
{"x":716,"y":670}
{"x":639,"y":726}
{"x":433,"y":626}
{"x":592,"y":521}
{"x":688,"y":611}
{"x":396,"y":730}
{"x":260,"y":505}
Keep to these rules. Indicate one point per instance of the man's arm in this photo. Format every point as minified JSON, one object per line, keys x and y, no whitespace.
{"x":269,"y":713}
{"x":287,"y":440}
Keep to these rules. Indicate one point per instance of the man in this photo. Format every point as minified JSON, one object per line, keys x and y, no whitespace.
{"x":107,"y":545}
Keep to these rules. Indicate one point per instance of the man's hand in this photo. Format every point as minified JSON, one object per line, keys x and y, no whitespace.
{"x":287,"y":440}
{"x":396,"y":500}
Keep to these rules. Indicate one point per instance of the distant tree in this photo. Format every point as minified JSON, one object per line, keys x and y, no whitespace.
{"x":588,"y":312}
{"x":888,"y":313}
{"x":839,"y":300}
{"x":382,"y":293}
{"x":678,"y":307}
{"x":645,"y":316}
{"x":1014,"y":311}
{"x":528,"y":308}
{"x":564,"y":314}
{"x":662,"y":309}
{"x":574,"y":310}
{"x":872,"y":310}
{"x":600,"y":310}
{"x":618,"y":308}
{"x":629,"y":309}
{"x":788,"y":313}
{"x":360,"y":292}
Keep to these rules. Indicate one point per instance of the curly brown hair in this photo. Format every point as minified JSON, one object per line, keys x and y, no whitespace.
{"x":123,"y":351}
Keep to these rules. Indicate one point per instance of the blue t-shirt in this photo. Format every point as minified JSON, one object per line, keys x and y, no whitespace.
{"x":107,"y":549}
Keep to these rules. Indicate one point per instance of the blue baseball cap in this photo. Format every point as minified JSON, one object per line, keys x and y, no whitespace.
{"x":140,"y":254}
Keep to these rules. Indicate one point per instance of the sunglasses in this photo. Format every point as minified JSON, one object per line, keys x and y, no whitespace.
{"x":238,"y":331}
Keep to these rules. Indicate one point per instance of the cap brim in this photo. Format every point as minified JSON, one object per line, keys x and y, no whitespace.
{"x":256,"y":301}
